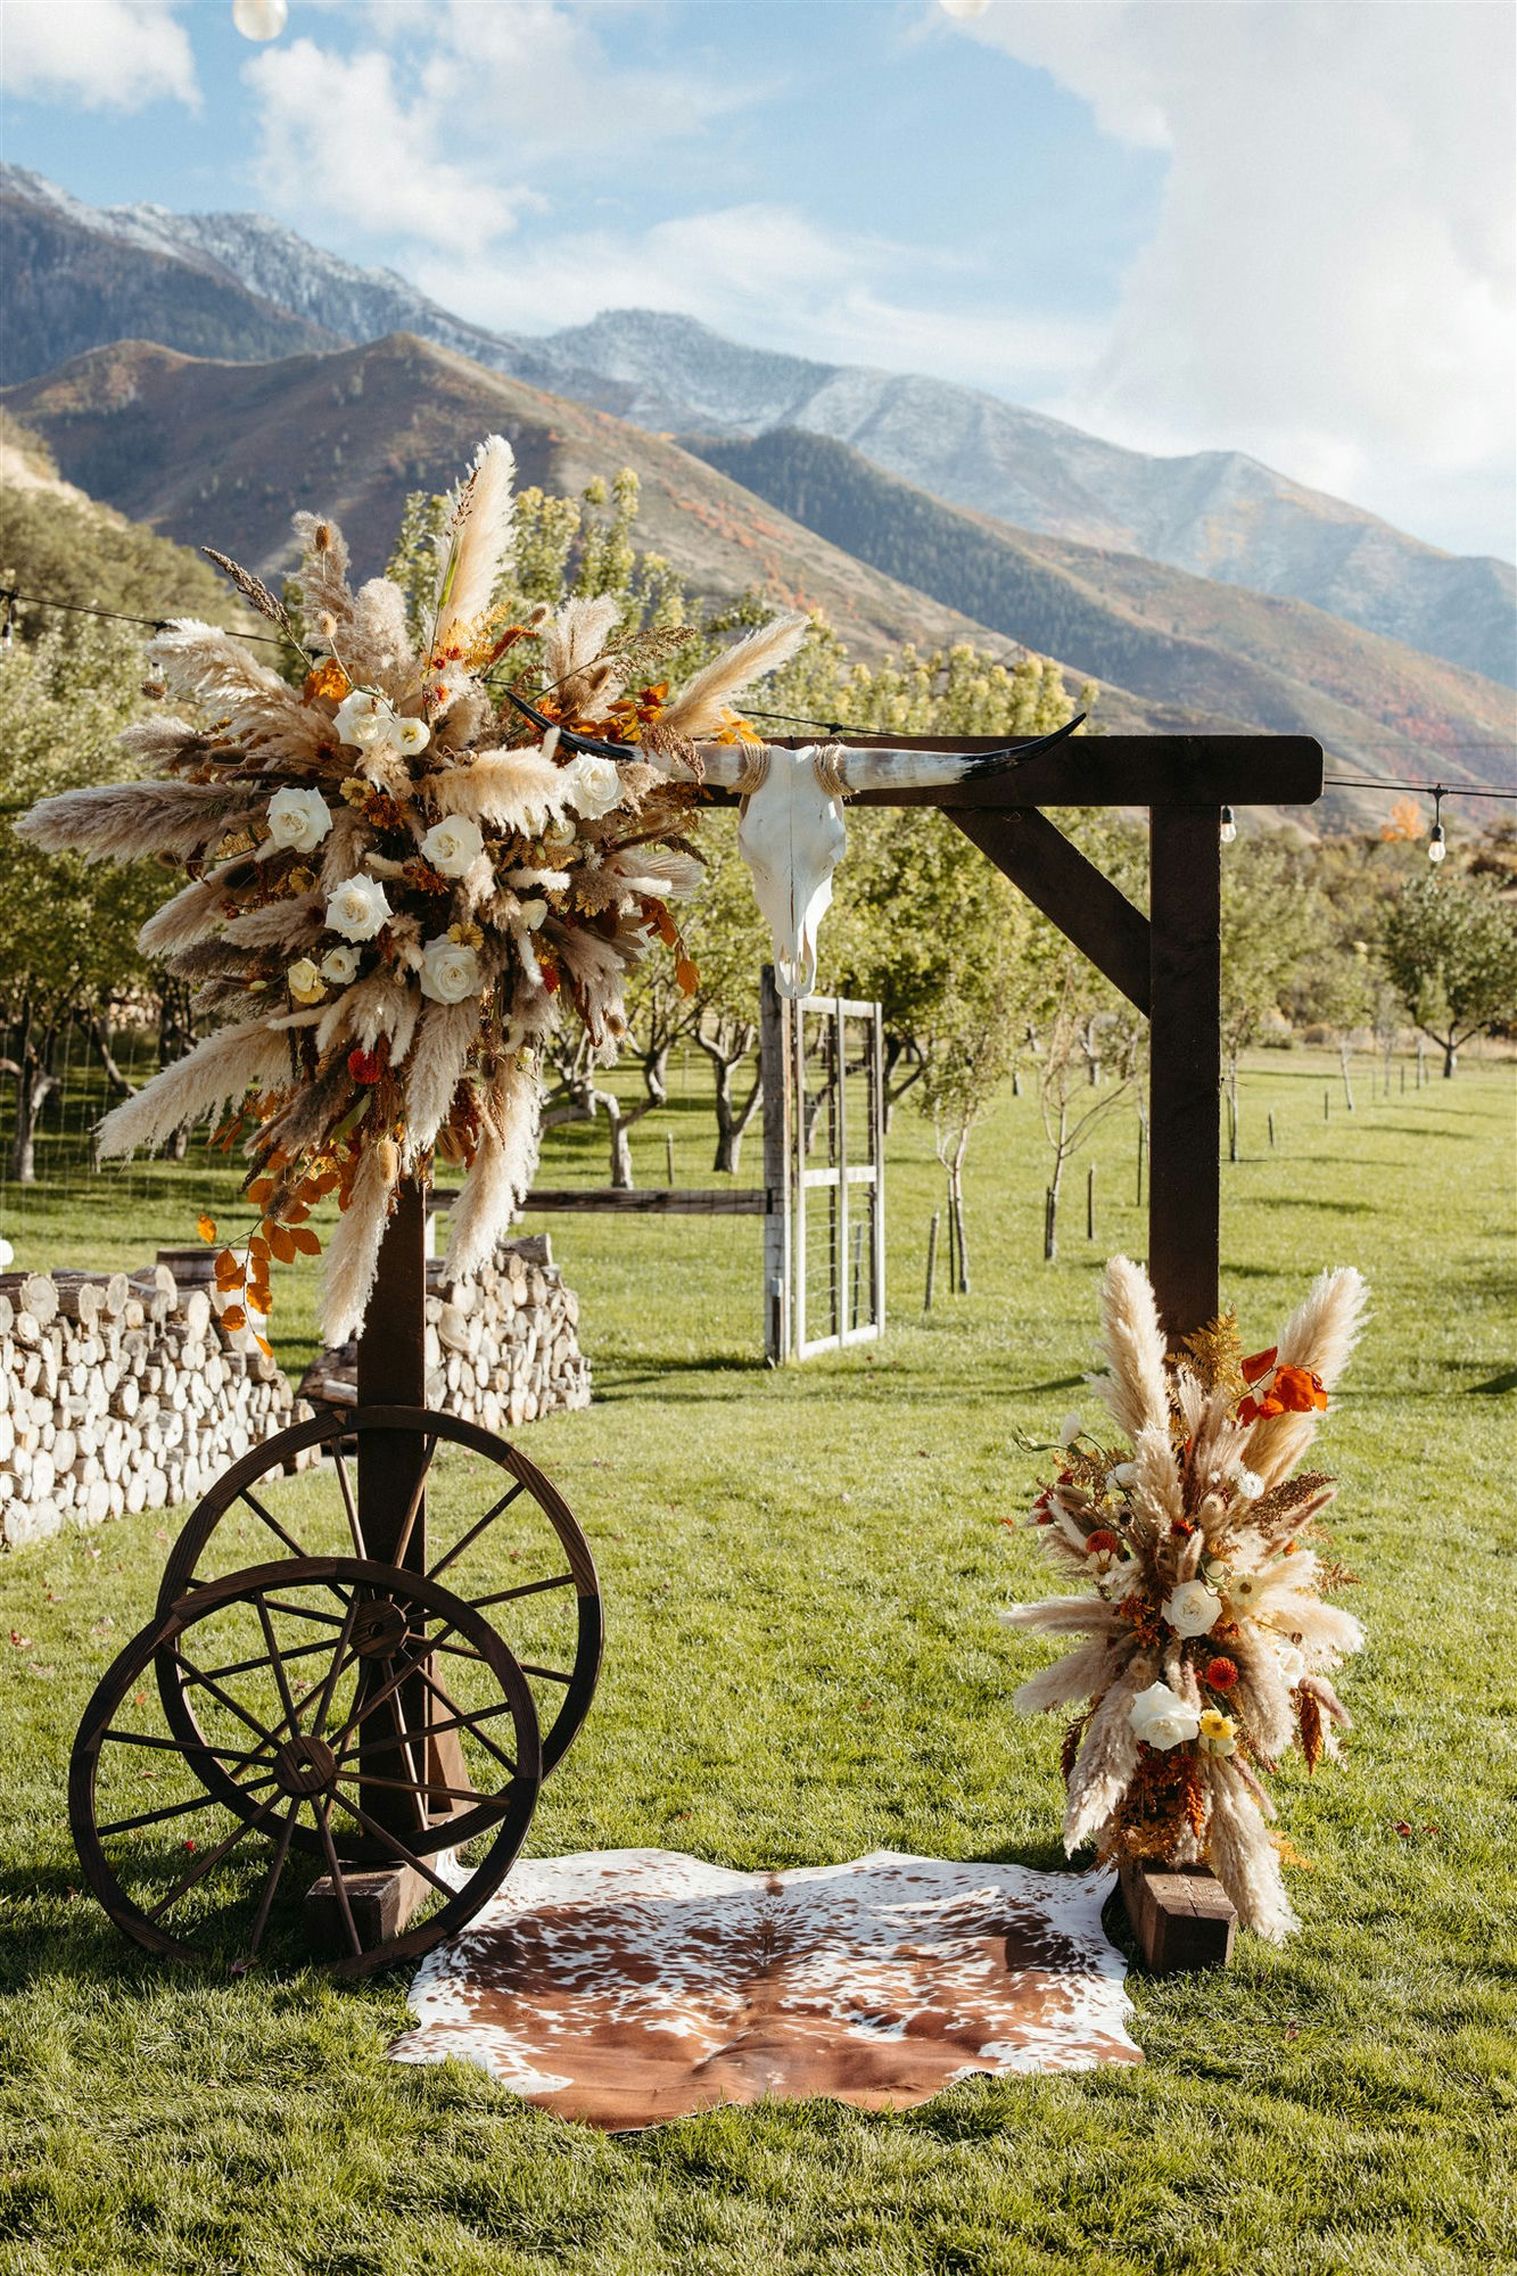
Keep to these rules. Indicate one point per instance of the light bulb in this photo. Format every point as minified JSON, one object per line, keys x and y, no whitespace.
{"x":1229,"y":828}
{"x":1436,"y":848}
{"x":260,"y":19}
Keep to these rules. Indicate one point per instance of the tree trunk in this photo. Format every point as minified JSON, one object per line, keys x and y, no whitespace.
{"x":1450,"y":1059}
{"x":656,"y":1073}
{"x":1348,"y":1087}
{"x":100,"y":1035}
{"x":733,"y":1122}
{"x":956,"y":1207}
{"x":35,"y":1085}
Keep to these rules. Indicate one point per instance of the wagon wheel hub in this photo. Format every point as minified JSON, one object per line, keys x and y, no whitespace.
{"x":379,"y":1629}
{"x":305,"y":1766}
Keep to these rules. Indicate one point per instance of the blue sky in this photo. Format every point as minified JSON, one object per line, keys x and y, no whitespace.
{"x":1282,"y":226}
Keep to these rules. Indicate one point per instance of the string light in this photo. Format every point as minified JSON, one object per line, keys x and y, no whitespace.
{"x":1437,"y":846}
{"x":260,"y":19}
{"x":1229,"y":828}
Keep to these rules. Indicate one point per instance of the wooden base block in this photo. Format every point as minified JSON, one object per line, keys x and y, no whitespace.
{"x":382,"y":1900}
{"x":1181,"y":1916}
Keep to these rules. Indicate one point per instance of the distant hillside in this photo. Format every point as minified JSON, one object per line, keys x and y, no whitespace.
{"x":1158,"y":633}
{"x":241,"y":287}
{"x":57,"y":542}
{"x":203,"y":452}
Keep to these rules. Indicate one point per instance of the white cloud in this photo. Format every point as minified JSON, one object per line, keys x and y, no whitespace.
{"x":484,"y":89}
{"x":339,"y":143}
{"x":115,"y":55}
{"x":1330,"y":283}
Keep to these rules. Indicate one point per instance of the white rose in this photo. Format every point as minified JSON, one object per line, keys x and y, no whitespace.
{"x":1161,"y":1718}
{"x":449,"y":971}
{"x":533,"y":913}
{"x":340,"y":965}
{"x":411,"y":736}
{"x":299,"y":819}
{"x":453,"y":845}
{"x":358,"y":909}
{"x":1292,"y":1665}
{"x":1192,"y":1609}
{"x":1070,"y":1429}
{"x":364,"y":719}
{"x":594,"y":784}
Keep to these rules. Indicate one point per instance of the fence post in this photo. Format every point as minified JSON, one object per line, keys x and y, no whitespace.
{"x":778,"y":1339}
{"x":932,"y":1259}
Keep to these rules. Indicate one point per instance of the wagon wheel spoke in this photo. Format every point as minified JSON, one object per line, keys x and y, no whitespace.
{"x":296,"y":1611}
{"x":522,"y":1588}
{"x":466,"y":1721}
{"x":176,"y":1746}
{"x":468,"y":1539}
{"x":418,"y":1494}
{"x":271,"y":1521}
{"x":175,"y":1809}
{"x":276,"y":1661}
{"x":377,"y":1832}
{"x":244,"y":1667}
{"x":350,"y":1506}
{"x":212,"y":1858}
{"x":548,"y":1674}
{"x":266,"y":1901}
{"x":396,"y":1678}
{"x":334,"y":1867}
{"x":342,"y":1658}
{"x":198,"y":1675}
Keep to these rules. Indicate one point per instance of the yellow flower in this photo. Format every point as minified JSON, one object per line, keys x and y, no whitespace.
{"x":305,"y":982}
{"x":1218,"y":1733}
{"x":355,"y":790}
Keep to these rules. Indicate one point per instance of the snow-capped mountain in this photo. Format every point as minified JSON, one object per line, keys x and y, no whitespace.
{"x":243,"y":287}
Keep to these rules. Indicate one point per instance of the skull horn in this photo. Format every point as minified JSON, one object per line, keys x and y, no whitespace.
{"x":924,"y":770}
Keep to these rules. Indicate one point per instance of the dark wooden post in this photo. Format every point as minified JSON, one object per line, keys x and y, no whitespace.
{"x":1185,"y":1063}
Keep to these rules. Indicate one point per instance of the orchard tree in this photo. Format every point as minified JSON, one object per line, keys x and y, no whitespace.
{"x":68,"y":932}
{"x":1450,"y":948}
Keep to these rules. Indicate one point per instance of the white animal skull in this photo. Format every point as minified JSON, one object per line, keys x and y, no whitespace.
{"x":792,"y":834}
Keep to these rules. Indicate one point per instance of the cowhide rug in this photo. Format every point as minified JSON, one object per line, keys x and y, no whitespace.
{"x":628,"y":1986}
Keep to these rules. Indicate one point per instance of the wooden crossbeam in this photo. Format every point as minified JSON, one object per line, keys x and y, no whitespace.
{"x":1082,"y":901}
{"x":1112,"y":770}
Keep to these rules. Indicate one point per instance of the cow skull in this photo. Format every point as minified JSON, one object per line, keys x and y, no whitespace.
{"x":792,"y":834}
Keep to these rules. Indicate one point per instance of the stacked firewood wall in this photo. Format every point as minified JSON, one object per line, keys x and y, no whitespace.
{"x":502,"y":1347}
{"x":121,"y":1392}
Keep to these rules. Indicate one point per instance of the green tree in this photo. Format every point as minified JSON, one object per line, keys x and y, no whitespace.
{"x":68,"y":932}
{"x":1450,"y":948}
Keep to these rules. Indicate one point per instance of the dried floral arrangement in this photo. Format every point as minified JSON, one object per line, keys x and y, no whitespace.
{"x":399,"y":879}
{"x":1207,"y":1649}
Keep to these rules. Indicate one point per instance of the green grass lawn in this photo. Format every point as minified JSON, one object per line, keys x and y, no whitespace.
{"x":802,"y":1571}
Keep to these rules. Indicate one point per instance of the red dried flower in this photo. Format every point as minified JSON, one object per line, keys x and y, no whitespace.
{"x":364,"y":1066}
{"x":1221,"y":1674}
{"x":1102,"y":1540}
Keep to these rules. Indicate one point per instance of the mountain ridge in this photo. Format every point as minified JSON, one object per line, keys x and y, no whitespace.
{"x":1220,"y":515}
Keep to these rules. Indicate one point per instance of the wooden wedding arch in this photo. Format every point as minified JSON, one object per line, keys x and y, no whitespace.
{"x":410,"y":1791}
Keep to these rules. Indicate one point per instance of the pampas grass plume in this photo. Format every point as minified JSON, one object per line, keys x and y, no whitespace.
{"x":699,"y":706}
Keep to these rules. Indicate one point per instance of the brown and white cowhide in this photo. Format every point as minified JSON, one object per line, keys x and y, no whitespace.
{"x":628,"y":1986}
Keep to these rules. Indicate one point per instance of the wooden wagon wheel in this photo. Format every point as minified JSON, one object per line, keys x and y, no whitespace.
{"x":318,"y":1700}
{"x":508,"y":1545}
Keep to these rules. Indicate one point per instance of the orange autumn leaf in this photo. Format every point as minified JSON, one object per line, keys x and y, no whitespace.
{"x":307,"y":1242}
{"x":686,"y":976}
{"x":282,"y":1244}
{"x":263,"y":1344}
{"x":206,"y":1227}
{"x":227,"y":1262}
{"x":259,"y":1249}
{"x":1260,"y":1364}
{"x":234,"y":1317}
{"x":260,"y":1191}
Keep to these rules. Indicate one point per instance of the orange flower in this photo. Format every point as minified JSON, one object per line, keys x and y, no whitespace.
{"x":1102,"y":1542}
{"x":364,"y":1066}
{"x":1298,"y":1390}
{"x":1220,"y":1675}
